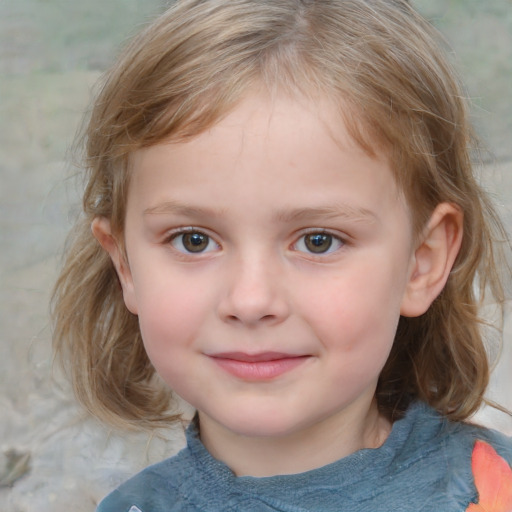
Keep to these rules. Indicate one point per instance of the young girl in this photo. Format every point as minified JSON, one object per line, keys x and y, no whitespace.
{"x":286,"y":230}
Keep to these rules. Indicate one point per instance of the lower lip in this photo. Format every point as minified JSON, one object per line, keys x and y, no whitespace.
{"x":259,"y":370}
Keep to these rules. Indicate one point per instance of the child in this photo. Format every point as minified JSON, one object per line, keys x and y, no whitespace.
{"x":286,"y":230}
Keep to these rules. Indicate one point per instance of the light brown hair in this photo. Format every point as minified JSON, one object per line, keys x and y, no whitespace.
{"x":379,"y":62}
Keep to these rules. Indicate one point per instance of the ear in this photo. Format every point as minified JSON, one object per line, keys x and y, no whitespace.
{"x":433,"y":259}
{"x":102,"y":231}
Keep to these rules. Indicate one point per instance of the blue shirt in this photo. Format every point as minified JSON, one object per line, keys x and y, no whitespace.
{"x":425,"y":464}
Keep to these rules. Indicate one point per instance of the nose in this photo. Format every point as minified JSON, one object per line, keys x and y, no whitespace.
{"x":255,"y":294}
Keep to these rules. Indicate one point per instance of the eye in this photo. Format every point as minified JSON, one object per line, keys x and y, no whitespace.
{"x":193,"y":242}
{"x":318,"y":243}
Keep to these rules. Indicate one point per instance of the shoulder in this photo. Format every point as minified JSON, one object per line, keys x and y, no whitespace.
{"x":428,"y":427}
{"x":491,"y":468}
{"x":479,"y":463}
{"x":157,"y":488}
{"x":187,"y":482}
{"x":500,"y":442}
{"x":477,"y":440}
{"x":464,"y":465}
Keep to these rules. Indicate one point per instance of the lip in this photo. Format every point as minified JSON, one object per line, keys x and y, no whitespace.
{"x":258,"y":367}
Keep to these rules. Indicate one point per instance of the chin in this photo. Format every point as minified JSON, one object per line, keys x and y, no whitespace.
{"x":261,"y":425}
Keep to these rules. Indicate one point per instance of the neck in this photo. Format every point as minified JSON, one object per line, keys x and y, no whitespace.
{"x":296,"y":452}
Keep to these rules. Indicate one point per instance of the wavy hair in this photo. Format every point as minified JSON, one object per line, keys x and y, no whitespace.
{"x":379,"y":62}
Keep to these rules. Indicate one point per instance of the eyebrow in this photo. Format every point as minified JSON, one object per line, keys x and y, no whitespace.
{"x":346,"y":211}
{"x":184,"y":209}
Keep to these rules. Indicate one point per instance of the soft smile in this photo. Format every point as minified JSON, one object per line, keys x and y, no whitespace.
{"x":257,"y":367}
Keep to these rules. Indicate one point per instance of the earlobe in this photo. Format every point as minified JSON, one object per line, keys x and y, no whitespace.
{"x":433,"y":259}
{"x":102,"y":231}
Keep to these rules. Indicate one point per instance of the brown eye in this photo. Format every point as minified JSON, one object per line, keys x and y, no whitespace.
{"x":318,"y":242}
{"x":193,"y":242}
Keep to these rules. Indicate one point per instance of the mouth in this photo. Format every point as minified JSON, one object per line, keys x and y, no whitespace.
{"x":258,"y":367}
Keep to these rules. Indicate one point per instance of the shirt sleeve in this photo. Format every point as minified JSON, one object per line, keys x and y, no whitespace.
{"x":493,"y":480}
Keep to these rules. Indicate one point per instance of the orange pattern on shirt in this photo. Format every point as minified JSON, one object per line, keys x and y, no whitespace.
{"x":493,"y":480}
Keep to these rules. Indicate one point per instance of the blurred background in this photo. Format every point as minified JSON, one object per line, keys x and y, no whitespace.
{"x":52,"y":457}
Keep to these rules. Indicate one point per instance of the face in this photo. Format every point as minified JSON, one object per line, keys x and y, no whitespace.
{"x":267,"y":260}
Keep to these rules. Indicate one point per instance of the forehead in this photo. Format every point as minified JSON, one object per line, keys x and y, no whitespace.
{"x":289,"y":124}
{"x":275,"y":157}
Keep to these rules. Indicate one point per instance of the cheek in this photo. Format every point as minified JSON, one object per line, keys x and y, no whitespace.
{"x":168,"y":328}
{"x":358,"y":310}
{"x":171,"y":314}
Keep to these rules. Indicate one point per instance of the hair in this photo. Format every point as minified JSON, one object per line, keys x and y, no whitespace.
{"x":379,"y":63}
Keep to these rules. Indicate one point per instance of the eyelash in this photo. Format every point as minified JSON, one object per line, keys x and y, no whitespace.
{"x":335,"y":240}
{"x":175,"y":236}
{"x":296,"y":246}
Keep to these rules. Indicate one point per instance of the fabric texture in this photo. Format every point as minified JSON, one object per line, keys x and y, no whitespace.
{"x":427,"y":463}
{"x":493,"y":480}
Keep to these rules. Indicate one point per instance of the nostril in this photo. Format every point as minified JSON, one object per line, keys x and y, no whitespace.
{"x":265,"y":318}
{"x":251,"y":305}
